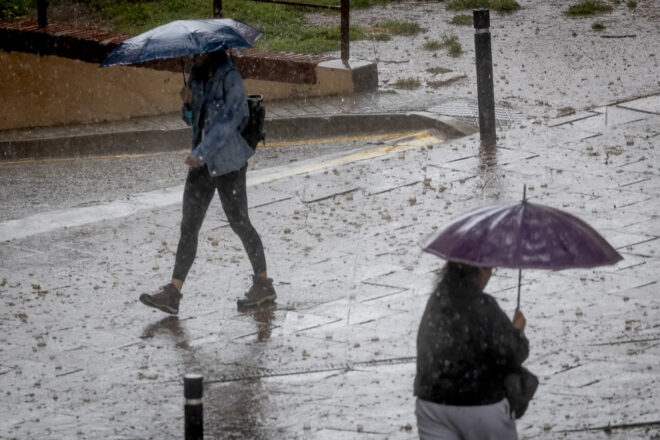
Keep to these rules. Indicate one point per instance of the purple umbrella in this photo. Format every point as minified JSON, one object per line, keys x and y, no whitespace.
{"x":521,"y":235}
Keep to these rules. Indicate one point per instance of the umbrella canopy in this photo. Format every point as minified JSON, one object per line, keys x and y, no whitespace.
{"x":521,"y":235}
{"x":182,"y":38}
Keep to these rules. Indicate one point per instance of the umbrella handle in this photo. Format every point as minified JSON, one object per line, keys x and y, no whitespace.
{"x":520,"y":270}
{"x":519,"y":280}
{"x":183,"y":72}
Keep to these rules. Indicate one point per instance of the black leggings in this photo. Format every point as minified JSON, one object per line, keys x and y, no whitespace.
{"x":197,"y":196}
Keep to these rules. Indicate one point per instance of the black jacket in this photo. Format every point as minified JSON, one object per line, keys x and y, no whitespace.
{"x":465,"y":347}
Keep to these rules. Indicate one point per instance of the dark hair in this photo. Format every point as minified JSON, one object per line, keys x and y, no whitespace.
{"x":457,"y":275}
{"x":213,"y":61}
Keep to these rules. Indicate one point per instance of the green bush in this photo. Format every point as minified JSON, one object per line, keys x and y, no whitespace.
{"x":589,"y":7}
{"x":598,"y":26}
{"x":632,"y":4}
{"x":10,"y":9}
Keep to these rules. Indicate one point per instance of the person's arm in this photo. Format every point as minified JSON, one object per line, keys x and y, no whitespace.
{"x":508,"y":340}
{"x":230,"y":115}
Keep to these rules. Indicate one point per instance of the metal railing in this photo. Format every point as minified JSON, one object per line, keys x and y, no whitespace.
{"x":344,"y":11}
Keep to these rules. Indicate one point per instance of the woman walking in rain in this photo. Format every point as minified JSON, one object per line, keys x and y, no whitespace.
{"x":215,"y":106}
{"x":466,"y":346}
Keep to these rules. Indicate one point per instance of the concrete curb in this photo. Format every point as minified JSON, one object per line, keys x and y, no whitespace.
{"x":365,"y":123}
{"x":137,"y":141}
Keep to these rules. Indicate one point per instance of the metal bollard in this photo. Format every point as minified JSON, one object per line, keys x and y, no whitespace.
{"x":42,"y":15}
{"x":217,"y":8}
{"x":345,"y":31}
{"x":484,"y":61}
{"x":193,"y":409}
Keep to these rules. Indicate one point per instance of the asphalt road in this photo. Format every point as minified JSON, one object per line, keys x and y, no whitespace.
{"x":35,"y":186}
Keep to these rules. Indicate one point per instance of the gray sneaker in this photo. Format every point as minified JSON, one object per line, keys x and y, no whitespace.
{"x":260,"y":292}
{"x":167,"y":299}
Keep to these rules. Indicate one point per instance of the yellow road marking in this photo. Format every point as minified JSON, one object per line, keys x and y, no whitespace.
{"x":270,"y":144}
{"x":421,"y":139}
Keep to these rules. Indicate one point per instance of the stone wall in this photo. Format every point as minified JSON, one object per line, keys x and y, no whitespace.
{"x":41,"y":90}
{"x":50,"y":76}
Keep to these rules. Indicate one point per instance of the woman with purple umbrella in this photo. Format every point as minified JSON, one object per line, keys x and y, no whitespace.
{"x":469,"y":355}
{"x":466,"y":347}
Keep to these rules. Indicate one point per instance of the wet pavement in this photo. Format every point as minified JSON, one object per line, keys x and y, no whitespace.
{"x":82,"y":358}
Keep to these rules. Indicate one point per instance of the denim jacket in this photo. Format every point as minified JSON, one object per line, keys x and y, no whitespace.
{"x":221,"y":102}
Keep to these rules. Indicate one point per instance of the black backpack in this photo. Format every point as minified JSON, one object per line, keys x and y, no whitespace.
{"x":254,"y":130}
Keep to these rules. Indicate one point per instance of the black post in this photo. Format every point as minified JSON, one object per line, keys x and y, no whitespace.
{"x":193,"y":410}
{"x":217,"y":8}
{"x":42,"y":17}
{"x":345,"y":30}
{"x":484,"y":61}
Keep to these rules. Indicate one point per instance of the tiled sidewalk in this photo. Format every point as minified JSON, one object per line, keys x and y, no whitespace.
{"x":82,"y":358}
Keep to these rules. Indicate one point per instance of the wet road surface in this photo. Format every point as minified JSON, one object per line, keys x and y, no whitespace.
{"x":82,"y":358}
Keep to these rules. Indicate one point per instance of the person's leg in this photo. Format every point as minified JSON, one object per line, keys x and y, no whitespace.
{"x":486,"y":422}
{"x":233,"y":195}
{"x":434,"y":421}
{"x":197,"y":196}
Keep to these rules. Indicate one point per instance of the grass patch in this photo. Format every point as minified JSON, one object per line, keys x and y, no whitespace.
{"x":137,"y":17}
{"x":407,"y":83}
{"x":10,"y":9}
{"x":462,"y":20}
{"x":496,"y":5}
{"x":598,"y":26}
{"x":450,"y":43}
{"x":632,"y":4}
{"x":311,"y":40}
{"x":459,"y":5}
{"x":433,"y":45}
{"x":438,"y":70}
{"x":589,"y":7}
{"x":380,"y":37}
{"x":284,"y":27}
{"x":395,"y":27}
{"x":504,"y":5}
{"x":357,"y":4}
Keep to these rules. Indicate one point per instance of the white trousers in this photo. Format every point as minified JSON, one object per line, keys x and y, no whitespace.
{"x":481,"y":422}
